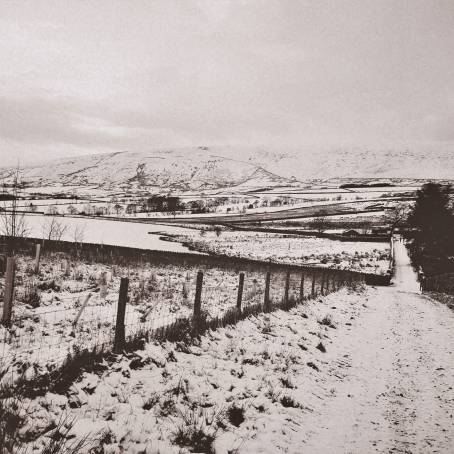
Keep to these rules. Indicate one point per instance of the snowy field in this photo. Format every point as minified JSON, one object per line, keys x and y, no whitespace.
{"x":361,"y":370}
{"x":101,"y":231}
{"x":371,"y":257}
{"x":248,"y":388}
{"x":72,"y":305}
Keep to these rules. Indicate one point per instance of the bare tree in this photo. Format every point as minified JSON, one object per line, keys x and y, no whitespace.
{"x":397,"y":216}
{"x":53,"y":229}
{"x":79,"y":233}
{"x":13,"y":224}
{"x":72,"y":209}
{"x":52,"y":210}
{"x":320,"y":223}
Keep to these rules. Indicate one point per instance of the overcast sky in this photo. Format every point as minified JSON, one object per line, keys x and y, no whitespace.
{"x":95,"y":76}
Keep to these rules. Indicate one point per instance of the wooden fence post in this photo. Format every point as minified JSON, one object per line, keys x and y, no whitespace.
{"x":37,"y":257}
{"x":313,"y":285}
{"x":287,"y":287}
{"x":120,"y":339}
{"x":9,"y":292}
{"x":267,"y":302}
{"x":84,"y":305}
{"x":240,"y":293}
{"x":302,"y":288}
{"x":322,"y":284}
{"x":198,"y":301}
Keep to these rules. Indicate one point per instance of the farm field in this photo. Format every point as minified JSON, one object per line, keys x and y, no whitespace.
{"x":239,"y":384}
{"x":102,"y":231}
{"x":340,"y":222}
{"x":372,"y":257}
{"x":308,"y":209}
{"x":330,"y":375}
{"x":71,"y":305}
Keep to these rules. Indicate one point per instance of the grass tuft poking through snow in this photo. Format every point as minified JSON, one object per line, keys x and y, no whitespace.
{"x":327,"y":320}
{"x":234,"y":389}
{"x":197,"y":430}
{"x":14,"y":439}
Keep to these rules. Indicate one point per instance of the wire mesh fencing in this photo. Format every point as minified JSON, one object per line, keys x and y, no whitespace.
{"x":71,"y":307}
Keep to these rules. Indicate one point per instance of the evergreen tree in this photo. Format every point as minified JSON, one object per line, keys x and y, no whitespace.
{"x":431,"y":225}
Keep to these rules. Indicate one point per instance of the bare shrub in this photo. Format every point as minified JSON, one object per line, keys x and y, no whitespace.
{"x":12,"y":222}
{"x":53,"y":229}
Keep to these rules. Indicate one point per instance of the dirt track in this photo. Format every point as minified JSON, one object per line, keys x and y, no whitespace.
{"x":396,"y":395}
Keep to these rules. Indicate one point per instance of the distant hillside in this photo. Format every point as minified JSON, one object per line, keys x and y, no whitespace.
{"x":184,"y":170}
{"x":203,"y":168}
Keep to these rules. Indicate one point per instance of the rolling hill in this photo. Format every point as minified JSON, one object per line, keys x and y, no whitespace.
{"x":203,"y":168}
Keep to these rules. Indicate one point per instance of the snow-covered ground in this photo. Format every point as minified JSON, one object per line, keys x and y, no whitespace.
{"x":372,"y":257}
{"x":50,"y":318}
{"x":101,"y":231}
{"x":358,"y":371}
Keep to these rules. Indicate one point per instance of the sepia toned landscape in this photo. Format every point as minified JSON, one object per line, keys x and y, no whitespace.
{"x":226,"y":227}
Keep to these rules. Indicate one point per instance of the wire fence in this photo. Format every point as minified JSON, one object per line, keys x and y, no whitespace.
{"x":68,"y":306}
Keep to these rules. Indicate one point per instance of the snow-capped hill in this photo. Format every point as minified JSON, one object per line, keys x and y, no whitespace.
{"x":311,"y":163}
{"x":195,"y":169}
{"x":204,"y":168}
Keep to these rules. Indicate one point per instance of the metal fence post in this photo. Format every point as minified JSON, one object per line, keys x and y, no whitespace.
{"x":9,"y":292}
{"x":267,"y":302}
{"x":120,"y":339}
{"x":240,"y":293}
{"x":302,"y":288}
{"x":198,"y":301}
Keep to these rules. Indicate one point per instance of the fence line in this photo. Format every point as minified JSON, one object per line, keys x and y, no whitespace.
{"x":115,"y":314}
{"x":122,"y":256}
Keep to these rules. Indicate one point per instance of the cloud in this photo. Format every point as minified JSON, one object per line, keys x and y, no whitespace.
{"x":84,"y":77}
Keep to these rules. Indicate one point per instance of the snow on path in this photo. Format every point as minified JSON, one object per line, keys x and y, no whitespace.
{"x":397,"y":395}
{"x":405,"y":278}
